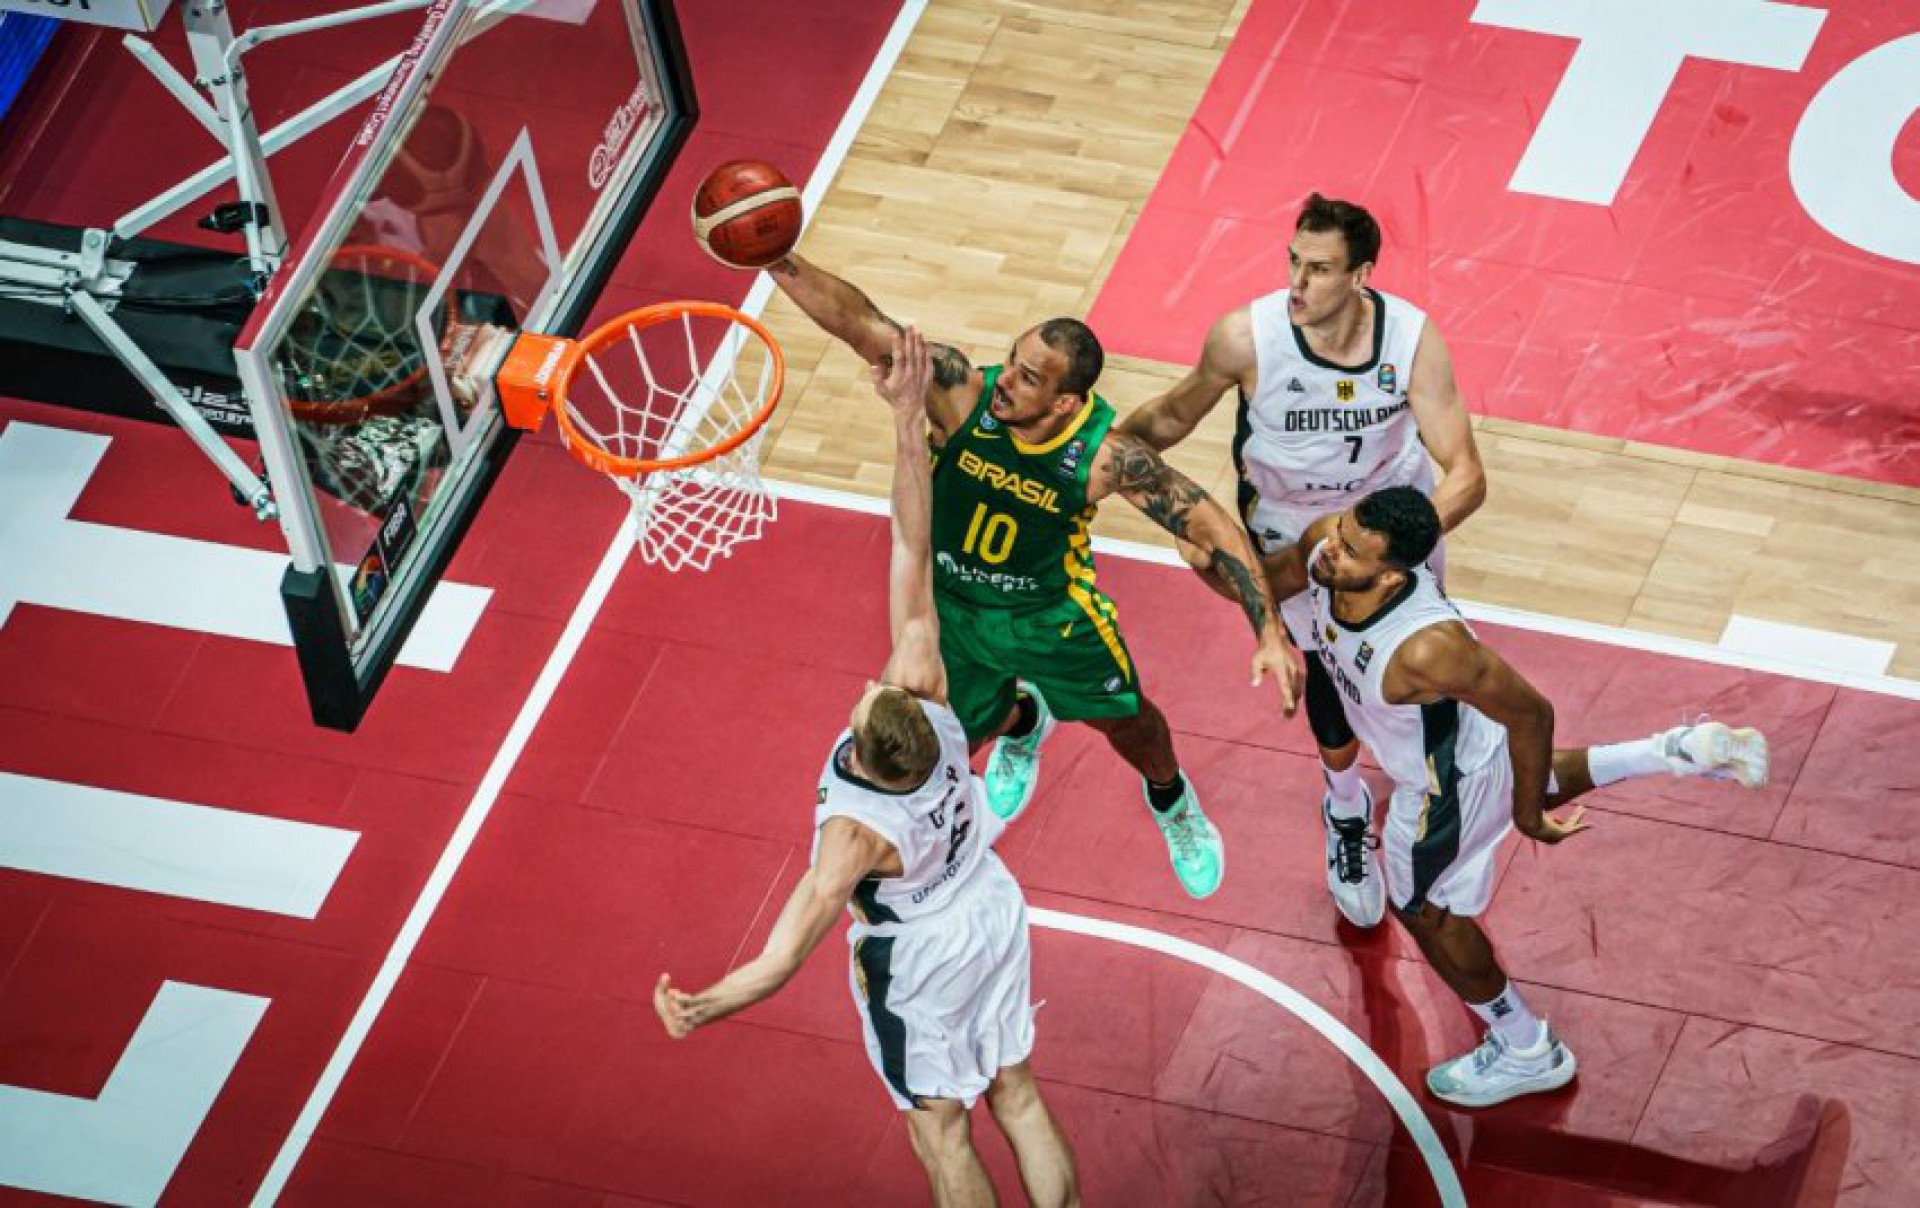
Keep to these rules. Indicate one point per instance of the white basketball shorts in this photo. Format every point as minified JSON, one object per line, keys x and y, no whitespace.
{"x":947,"y":1002}
{"x":1444,"y":847}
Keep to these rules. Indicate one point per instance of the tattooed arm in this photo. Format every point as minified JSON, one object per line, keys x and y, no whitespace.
{"x":1127,"y":466}
{"x":845,"y":313}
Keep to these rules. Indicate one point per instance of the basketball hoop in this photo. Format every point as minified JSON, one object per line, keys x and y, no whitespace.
{"x":675,"y":420}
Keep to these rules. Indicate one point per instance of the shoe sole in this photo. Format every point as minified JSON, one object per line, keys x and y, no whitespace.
{"x":1539,"y":1084}
{"x":1032,"y":785}
{"x":1046,"y":727}
{"x":1739,"y":755}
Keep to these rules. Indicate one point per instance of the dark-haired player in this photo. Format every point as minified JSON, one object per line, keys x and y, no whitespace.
{"x":1343,"y":389}
{"x":1026,"y":449}
{"x":1468,"y":744}
{"x":941,"y":962}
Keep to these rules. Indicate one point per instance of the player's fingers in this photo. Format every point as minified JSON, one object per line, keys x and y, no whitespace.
{"x":916,"y":355}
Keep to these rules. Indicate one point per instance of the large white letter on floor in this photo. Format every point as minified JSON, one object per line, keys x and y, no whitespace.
{"x":122,"y":1147}
{"x":1629,"y":53}
{"x":50,"y":559}
{"x":1841,"y":164}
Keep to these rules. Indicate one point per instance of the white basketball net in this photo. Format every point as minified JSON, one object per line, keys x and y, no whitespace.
{"x":675,"y":398}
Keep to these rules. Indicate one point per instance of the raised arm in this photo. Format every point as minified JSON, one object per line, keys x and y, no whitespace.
{"x":848,"y":315}
{"x":1226,"y":360}
{"x":1128,"y":467}
{"x":848,"y":852}
{"x":1447,"y":661}
{"x":915,"y":662}
{"x":1446,"y":430}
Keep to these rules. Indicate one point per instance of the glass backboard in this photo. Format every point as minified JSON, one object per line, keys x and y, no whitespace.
{"x":494,"y":185}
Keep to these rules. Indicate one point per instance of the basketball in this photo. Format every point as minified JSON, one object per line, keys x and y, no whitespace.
{"x":746,"y":214}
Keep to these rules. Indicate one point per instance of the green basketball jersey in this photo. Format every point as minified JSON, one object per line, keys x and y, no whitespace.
{"x":1011,"y":520}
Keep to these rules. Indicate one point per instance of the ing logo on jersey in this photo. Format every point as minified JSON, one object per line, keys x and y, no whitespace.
{"x":1389,"y":378}
{"x":1343,"y":390}
{"x":1362,"y":657}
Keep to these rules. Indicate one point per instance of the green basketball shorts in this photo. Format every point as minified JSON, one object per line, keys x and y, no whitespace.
{"x":1072,"y":651}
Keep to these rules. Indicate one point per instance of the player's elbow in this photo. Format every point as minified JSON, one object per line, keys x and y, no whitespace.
{"x":1540,"y":717}
{"x":1465,"y":480}
{"x":1474,"y":486}
{"x":1144,"y":426}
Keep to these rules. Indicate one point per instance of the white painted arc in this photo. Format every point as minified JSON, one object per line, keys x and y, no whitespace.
{"x":301,"y":1134}
{"x":1288,"y":999}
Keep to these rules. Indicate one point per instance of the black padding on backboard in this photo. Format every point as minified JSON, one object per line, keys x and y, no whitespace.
{"x":183,"y":306}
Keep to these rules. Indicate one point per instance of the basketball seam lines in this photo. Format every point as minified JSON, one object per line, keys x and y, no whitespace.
{"x":735,"y":209}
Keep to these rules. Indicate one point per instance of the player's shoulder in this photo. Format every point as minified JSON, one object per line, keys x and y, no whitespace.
{"x":1438,"y":656}
{"x":1230,"y":340}
{"x":956,"y":388}
{"x":1236,"y":324}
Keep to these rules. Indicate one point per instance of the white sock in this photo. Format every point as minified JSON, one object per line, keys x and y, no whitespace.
{"x":1622,"y":760}
{"x":1509,"y":1015}
{"x":1344,"y":790}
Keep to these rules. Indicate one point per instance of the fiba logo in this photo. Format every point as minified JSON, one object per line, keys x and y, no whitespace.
{"x":620,"y":128}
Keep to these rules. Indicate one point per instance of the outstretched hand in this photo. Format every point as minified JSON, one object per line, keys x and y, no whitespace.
{"x":1277,"y":657}
{"x":1552,"y":829}
{"x":678,"y":1010}
{"x":904,"y":378}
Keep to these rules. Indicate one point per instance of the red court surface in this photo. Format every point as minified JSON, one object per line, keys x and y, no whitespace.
{"x":1707,"y":307}
{"x":1738,"y":972}
{"x":1727,"y":965}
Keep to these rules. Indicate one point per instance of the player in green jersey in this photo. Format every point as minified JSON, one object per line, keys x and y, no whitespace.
{"x":1025,"y":451}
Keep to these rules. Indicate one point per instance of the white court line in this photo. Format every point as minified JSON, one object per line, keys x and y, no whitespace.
{"x":1354,"y":1049}
{"x":541,"y":694}
{"x":594,"y":598}
{"x":1840,"y":673}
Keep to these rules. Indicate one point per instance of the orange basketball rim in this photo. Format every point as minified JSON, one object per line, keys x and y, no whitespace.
{"x":540,"y":371}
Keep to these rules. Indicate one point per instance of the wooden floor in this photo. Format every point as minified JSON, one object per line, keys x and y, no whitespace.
{"x":998,"y":177}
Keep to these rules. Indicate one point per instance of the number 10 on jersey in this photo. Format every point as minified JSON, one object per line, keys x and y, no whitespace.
{"x":990,"y":534}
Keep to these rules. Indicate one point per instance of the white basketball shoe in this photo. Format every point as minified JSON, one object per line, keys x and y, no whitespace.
{"x":1717,"y":752}
{"x":1496,"y":1071}
{"x":1353,"y":874}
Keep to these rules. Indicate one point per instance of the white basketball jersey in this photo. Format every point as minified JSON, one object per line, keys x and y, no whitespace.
{"x":943,"y":829}
{"x":1319,"y":435}
{"x":1418,"y":745}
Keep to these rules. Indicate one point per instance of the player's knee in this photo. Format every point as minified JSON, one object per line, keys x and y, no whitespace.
{"x":1423,"y":922}
{"x":938,"y":1130}
{"x":1013,"y":1092}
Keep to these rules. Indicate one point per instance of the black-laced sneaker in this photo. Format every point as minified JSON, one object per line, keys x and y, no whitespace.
{"x":1353,"y":873}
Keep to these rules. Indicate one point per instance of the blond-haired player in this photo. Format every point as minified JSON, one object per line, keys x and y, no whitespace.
{"x":903,"y":838}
